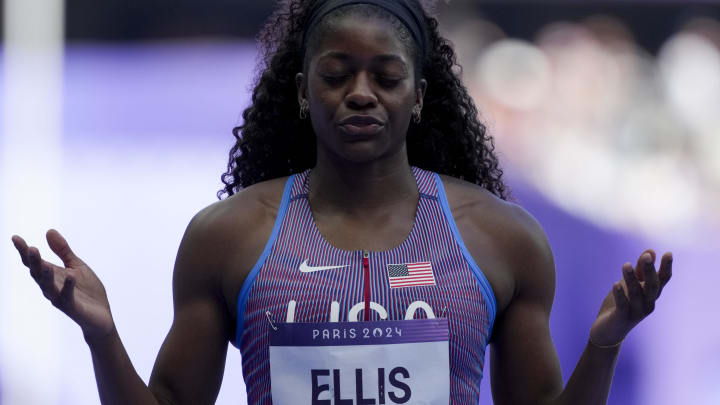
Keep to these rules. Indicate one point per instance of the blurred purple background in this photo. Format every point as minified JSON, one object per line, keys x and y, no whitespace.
{"x":143,"y":135}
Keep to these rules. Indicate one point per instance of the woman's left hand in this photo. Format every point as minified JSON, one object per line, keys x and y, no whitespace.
{"x":631,"y":299}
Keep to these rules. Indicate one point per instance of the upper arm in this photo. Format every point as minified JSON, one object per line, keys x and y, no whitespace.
{"x":524,"y":364}
{"x":190,"y":365}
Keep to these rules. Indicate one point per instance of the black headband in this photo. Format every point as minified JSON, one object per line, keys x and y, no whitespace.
{"x":410,"y":16}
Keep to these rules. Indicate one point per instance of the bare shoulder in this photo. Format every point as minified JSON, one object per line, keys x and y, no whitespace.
{"x":506,"y":241}
{"x":505,"y":220}
{"x":243,"y":214}
{"x":209,"y":270}
{"x":225,"y":239}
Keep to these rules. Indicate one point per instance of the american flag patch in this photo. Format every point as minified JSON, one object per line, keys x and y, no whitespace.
{"x":410,"y":274}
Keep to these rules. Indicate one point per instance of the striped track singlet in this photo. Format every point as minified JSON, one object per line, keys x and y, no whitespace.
{"x":461,"y":292}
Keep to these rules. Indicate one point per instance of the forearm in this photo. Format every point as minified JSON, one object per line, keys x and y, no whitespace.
{"x":117,"y":380}
{"x":590,"y":382}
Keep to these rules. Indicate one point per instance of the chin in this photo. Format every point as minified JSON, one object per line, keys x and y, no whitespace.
{"x":360,"y":149}
{"x":360,"y":152}
{"x":367,"y":152}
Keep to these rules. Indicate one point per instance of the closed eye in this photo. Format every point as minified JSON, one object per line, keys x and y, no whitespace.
{"x":383,"y":81}
{"x":388,"y":82}
{"x":335,"y":80}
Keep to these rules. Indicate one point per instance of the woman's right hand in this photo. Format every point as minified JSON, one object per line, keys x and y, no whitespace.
{"x":74,"y":289}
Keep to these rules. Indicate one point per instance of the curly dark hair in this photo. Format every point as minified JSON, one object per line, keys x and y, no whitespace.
{"x":274,"y":142}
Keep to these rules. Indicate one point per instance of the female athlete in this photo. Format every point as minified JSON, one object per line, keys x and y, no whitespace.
{"x":361,"y":188}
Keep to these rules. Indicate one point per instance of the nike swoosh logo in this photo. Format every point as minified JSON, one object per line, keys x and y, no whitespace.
{"x":304,"y":268}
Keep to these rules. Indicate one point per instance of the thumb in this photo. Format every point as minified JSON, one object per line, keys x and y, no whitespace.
{"x":59,"y":245}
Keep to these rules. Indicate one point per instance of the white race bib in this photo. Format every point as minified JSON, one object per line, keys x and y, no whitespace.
{"x":360,"y":363}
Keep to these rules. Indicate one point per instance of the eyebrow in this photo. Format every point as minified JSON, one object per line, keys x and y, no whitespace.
{"x":379,"y":58}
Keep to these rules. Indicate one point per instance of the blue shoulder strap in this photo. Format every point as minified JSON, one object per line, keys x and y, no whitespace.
{"x":248,"y":283}
{"x":479,"y":276}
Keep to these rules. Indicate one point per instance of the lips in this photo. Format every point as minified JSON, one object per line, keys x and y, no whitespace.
{"x":361,"y":125}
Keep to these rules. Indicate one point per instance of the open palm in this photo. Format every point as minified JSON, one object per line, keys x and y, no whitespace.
{"x":631,"y":299}
{"x":74,"y":289}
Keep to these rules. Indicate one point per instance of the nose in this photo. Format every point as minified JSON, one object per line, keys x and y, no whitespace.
{"x":361,"y":95}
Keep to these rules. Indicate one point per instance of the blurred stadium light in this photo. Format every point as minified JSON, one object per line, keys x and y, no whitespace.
{"x":31,"y":126}
{"x":594,"y":120}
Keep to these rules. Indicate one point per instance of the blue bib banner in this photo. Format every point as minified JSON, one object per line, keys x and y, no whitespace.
{"x":360,"y":363}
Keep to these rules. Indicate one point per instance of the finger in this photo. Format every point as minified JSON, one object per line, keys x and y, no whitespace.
{"x":22,"y":248}
{"x":34,"y":260}
{"x":43,"y":273}
{"x":622,"y":305}
{"x":66,"y":294}
{"x":649,"y":254}
{"x":59,"y":245}
{"x":665,"y":272}
{"x":652,"y":254}
{"x":635,"y":295}
{"x":652,"y":282}
{"x":47,"y":282}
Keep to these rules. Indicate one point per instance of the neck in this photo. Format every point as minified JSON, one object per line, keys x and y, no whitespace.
{"x":362,"y":188}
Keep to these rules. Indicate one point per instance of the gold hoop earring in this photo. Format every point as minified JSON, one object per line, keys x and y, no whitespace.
{"x":304,"y":109}
{"x":416,"y":114}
